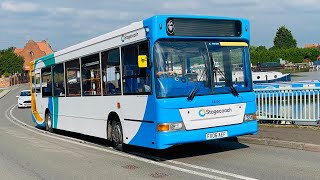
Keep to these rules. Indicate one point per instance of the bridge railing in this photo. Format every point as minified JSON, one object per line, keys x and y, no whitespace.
{"x":288,"y":104}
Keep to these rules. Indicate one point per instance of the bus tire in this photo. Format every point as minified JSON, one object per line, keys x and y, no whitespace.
{"x":48,"y":121}
{"x":117,"y":136}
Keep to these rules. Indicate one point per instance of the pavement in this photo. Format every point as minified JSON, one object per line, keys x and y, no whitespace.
{"x":286,"y":136}
{"x":4,"y":92}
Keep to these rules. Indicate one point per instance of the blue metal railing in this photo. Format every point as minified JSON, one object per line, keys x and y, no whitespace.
{"x":288,"y":102}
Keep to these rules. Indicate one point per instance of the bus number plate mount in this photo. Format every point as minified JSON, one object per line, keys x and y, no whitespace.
{"x":216,"y":135}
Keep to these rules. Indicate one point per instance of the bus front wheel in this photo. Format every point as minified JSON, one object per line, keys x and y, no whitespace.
{"x":48,"y":121}
{"x":117,"y":135}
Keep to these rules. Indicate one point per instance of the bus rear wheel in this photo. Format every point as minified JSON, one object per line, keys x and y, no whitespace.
{"x":48,"y":122}
{"x":117,"y":135}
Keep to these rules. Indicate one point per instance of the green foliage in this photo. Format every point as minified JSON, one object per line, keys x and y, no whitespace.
{"x":10,"y":63}
{"x":295,"y":55}
{"x":6,"y":74}
{"x":284,"y":39}
{"x":261,"y":48}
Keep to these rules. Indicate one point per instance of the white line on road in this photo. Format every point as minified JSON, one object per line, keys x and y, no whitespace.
{"x":76,"y":141}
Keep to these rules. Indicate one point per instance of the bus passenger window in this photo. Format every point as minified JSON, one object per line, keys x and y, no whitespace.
{"x":73,"y":78}
{"x":111,"y":72}
{"x":135,"y":80}
{"x":46,"y":84}
{"x":33,"y":90}
{"x":90,"y":73}
{"x":58,"y":80}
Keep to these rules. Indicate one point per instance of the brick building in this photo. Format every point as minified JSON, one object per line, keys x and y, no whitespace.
{"x":312,"y":46}
{"x":33,"y":50}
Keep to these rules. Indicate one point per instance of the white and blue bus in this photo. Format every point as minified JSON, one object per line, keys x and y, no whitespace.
{"x":156,"y":83}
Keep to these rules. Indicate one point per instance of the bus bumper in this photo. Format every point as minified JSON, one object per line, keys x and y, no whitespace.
{"x":168,"y":139}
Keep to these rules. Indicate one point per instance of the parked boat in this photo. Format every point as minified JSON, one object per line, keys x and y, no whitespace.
{"x":263,"y":77}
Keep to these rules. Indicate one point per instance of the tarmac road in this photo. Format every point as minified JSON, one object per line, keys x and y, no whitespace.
{"x":29,"y":153}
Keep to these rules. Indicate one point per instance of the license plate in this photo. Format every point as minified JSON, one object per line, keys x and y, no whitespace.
{"x":217,"y":135}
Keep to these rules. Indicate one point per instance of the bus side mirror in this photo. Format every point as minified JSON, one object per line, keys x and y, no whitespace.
{"x":142,"y":61}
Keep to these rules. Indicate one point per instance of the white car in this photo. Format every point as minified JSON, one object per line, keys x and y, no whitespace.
{"x":24,"y":99}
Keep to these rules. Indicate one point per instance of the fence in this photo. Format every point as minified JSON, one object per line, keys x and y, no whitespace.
{"x":289,"y":105}
{"x":13,"y":80}
{"x":19,"y":79}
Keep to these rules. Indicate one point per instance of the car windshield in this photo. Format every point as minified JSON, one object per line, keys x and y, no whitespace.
{"x":182,"y":66}
{"x":25,"y":93}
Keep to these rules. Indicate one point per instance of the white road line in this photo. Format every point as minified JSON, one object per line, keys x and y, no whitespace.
{"x":211,"y":170}
{"x":76,"y":141}
{"x":196,"y":167}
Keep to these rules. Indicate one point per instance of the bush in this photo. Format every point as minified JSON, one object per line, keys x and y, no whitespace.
{"x":6,"y":74}
{"x":295,"y":55}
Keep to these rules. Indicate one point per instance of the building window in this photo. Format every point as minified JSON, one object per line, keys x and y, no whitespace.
{"x":90,"y":73}
{"x":58,"y":80}
{"x":135,"y":80}
{"x":111,"y":80}
{"x":73,"y":78}
{"x":31,"y":53}
{"x":46,"y":85}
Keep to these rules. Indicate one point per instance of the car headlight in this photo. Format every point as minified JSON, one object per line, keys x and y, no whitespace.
{"x":250,"y":117}
{"x":164,"y":127}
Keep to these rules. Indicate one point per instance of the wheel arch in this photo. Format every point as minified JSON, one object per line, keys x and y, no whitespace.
{"x":46,"y":111}
{"x":113,"y":116}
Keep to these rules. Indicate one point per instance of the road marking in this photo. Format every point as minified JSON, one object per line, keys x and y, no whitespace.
{"x":195,"y":166}
{"x":21,"y":124}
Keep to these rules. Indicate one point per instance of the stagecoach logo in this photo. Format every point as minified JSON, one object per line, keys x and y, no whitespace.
{"x":128,"y":36}
{"x":202,"y":112}
{"x":170,"y":27}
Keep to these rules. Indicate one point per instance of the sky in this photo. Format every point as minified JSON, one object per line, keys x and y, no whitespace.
{"x":67,"y":22}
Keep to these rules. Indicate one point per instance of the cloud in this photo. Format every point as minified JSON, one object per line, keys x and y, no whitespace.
{"x":304,"y":2}
{"x":19,"y":7}
{"x":65,"y":10}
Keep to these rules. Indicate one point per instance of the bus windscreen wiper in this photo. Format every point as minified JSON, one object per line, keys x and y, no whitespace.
{"x":196,"y":88}
{"x":216,"y":69}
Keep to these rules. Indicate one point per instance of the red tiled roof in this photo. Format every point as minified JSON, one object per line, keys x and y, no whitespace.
{"x":18,"y":50}
{"x":311,"y":45}
{"x":44,"y":46}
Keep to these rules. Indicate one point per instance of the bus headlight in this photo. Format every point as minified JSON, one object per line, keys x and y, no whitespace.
{"x":170,"y":127}
{"x":250,"y":117}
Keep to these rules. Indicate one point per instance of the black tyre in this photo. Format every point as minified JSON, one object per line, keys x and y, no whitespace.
{"x":117,"y":136}
{"x":48,"y":121}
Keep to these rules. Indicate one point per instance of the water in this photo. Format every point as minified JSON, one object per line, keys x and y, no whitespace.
{"x":303,"y":76}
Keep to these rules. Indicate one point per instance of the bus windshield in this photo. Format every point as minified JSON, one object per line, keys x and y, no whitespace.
{"x":208,"y":67}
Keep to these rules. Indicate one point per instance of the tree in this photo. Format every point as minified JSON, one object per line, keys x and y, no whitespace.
{"x":10,"y":62}
{"x":261,"y":48}
{"x":284,"y":39}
